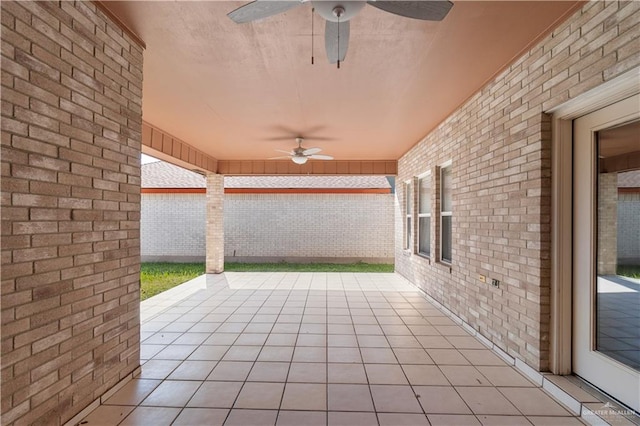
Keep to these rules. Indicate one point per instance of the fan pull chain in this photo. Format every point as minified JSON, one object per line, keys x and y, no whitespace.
{"x":313,"y":9}
{"x":338,"y":41}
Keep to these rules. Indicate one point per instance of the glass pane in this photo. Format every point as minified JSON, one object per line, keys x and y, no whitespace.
{"x":409,"y":198}
{"x":424,"y":233}
{"x":618,"y":246}
{"x":408,"y":242}
{"x":446,"y":189}
{"x":425,"y":195}
{"x":446,"y":238}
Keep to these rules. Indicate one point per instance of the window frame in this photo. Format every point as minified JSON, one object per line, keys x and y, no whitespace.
{"x":408,"y":215}
{"x":445,"y":213}
{"x":429,"y":214}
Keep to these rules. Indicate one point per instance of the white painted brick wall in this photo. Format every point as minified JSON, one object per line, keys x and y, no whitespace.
{"x":629,"y":228}
{"x":284,"y":226}
{"x":173,"y":227}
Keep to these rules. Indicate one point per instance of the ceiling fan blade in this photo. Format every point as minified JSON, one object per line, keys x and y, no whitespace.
{"x":285,"y":152}
{"x":311,"y":151}
{"x":280,"y":158}
{"x":321,"y":157}
{"x":331,"y":40}
{"x":260,"y":9}
{"x":426,"y":10}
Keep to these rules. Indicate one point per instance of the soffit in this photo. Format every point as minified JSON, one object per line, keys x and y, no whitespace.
{"x":229,"y":90}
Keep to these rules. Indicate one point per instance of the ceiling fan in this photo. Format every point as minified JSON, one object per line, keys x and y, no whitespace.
{"x":338,"y":13}
{"x":301,"y":155}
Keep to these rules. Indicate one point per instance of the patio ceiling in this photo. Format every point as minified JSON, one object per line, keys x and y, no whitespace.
{"x":229,"y":90}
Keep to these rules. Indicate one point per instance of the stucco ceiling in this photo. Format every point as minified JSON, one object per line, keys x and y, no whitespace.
{"x":230,"y":90}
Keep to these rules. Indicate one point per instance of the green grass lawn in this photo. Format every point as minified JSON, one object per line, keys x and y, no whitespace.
{"x":307,"y":267}
{"x":158,"y":277}
{"x":631,"y":271}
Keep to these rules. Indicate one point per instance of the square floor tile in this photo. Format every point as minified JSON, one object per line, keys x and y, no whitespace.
{"x":404,"y":342}
{"x":172,"y":393}
{"x":157,"y":416}
{"x":372,"y":342}
{"x":342,"y":340}
{"x":239,"y":417}
{"x":258,"y":328}
{"x":368,"y":329}
{"x":464,"y":375}
{"x":300,"y":418}
{"x":465,"y":342}
{"x":486,"y":400}
{"x":107,"y":415}
{"x":395,"y":399}
{"x":179,"y":352}
{"x":351,"y":419}
{"x":554,"y":421}
{"x":313,"y":328}
{"x":260,"y":395}
{"x":242,"y":353}
{"x":251,"y":339}
{"x":192,"y":338}
{"x":347,"y":355}
{"x":309,"y":354}
{"x":303,"y":372}
{"x":208,"y":353}
{"x":269,"y":372}
{"x":193,"y":370}
{"x":402,"y":419}
{"x":162,"y":338}
{"x":427,"y":375}
{"x":340,"y":329}
{"x":346,"y":373}
{"x":284,"y":328}
{"x":344,"y":397}
{"x":447,"y":357}
{"x":133,"y":392}
{"x":216,"y":395}
{"x":533,"y":402}
{"x":480,"y":357}
{"x":504,"y":376}
{"x":378,"y":356}
{"x":302,"y":396}
{"x":319,"y":340}
{"x":503,"y":420}
{"x":201,"y":416}
{"x":434,"y":342}
{"x":230,"y":371}
{"x":453,"y":420}
{"x":158,"y":368}
{"x":385,"y":374}
{"x":412,"y":356}
{"x":222,"y":339}
{"x":440,"y":400}
{"x":276,"y":353}
{"x":281,"y":339}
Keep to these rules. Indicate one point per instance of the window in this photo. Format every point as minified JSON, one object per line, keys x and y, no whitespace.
{"x":408,"y":195}
{"x":424,"y":215}
{"x":445,"y":213}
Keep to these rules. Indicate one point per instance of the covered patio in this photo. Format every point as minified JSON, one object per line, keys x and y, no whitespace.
{"x":316,"y":349}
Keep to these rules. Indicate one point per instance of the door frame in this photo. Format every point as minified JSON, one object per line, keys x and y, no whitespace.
{"x":561,"y":330}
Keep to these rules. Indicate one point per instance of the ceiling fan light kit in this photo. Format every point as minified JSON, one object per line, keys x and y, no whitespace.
{"x":300,"y":155}
{"x":337,"y":15}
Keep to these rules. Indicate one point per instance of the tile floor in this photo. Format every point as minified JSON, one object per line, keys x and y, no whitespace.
{"x":316,"y":349}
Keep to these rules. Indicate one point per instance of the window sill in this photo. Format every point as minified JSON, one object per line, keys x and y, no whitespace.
{"x":424,"y":256}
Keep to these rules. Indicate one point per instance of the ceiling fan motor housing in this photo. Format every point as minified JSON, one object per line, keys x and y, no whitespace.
{"x":335,"y":11}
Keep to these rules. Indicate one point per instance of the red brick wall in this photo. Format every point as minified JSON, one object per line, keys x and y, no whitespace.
{"x":71,"y":131}
{"x":499,"y":144}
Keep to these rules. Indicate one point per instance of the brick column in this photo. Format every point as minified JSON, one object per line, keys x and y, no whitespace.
{"x":215,"y":224}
